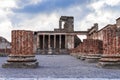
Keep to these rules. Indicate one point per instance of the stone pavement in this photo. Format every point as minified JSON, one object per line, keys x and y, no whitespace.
{"x":59,"y":66}
{"x":56,"y":79}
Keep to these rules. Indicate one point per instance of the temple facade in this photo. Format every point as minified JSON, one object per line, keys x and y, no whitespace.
{"x":59,"y":40}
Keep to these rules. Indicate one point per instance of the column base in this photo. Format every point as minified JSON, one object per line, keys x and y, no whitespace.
{"x":79,"y":56}
{"x":73,"y":54}
{"x":21,"y":62}
{"x":93,"y":58}
{"x":83,"y":56}
{"x":50,"y":51}
{"x":38,"y":51}
{"x":111,"y":61}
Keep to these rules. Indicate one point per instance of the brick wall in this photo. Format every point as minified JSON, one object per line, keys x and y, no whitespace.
{"x":5,"y":51}
{"x":89,"y":46}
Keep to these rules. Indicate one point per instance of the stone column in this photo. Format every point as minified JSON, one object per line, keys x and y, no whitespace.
{"x":66,"y":42}
{"x":48,"y":41}
{"x":43,"y":44}
{"x":21,"y":55}
{"x":38,"y":42}
{"x":59,"y":41}
{"x":43,"y":41}
{"x":49,"y":46}
{"x":54,"y":41}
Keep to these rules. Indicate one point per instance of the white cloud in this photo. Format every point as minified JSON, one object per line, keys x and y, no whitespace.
{"x":112,"y":2}
{"x":7,"y":3}
{"x":49,"y":21}
{"x":40,"y":22}
{"x":5,"y":23}
{"x":35,"y":1}
{"x":100,"y":14}
{"x":5,"y":29}
{"x":98,"y":4}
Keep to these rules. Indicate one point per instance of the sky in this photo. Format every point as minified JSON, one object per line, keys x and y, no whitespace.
{"x":42,"y":15}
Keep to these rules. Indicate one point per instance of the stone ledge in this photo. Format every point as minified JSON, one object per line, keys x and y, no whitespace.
{"x":110,"y":61}
{"x":20,"y":65}
{"x":93,"y":58}
{"x":109,"y":65}
{"x":21,"y":62}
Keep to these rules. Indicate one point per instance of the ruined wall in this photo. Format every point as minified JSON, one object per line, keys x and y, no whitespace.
{"x":92,"y":46}
{"x":22,"y":42}
{"x":68,"y":25}
{"x":89,"y":46}
{"x":109,"y":39}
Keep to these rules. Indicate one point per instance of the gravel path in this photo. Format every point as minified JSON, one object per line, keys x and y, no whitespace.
{"x":59,"y":66}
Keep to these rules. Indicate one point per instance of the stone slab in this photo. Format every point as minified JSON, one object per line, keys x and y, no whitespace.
{"x":20,"y":65}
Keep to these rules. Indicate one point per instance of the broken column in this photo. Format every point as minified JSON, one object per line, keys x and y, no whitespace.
{"x":111,"y":45}
{"x":21,"y":55}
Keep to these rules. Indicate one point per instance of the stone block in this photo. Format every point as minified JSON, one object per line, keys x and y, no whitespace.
{"x":93,"y":58}
{"x":110,"y":61}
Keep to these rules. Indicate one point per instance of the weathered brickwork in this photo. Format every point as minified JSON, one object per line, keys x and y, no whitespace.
{"x":22,"y":42}
{"x":109,"y":40}
{"x":21,"y":55}
{"x":5,"y":51}
{"x":89,"y":46}
{"x":111,"y":46}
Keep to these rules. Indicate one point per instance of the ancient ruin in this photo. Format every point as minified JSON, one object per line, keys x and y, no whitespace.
{"x":22,"y":55}
{"x":101,"y":46}
{"x":60,"y":40}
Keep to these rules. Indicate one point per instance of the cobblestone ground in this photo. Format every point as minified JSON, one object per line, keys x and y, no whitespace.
{"x":59,"y":66}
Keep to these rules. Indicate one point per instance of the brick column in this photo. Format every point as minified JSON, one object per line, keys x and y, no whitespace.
{"x":111,"y":55}
{"x":21,"y":55}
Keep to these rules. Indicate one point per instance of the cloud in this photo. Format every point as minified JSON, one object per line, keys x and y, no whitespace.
{"x":38,"y":15}
{"x":7,"y":4}
{"x":102,"y":12}
{"x":5,"y":12}
{"x":39,"y":22}
{"x":35,"y":1}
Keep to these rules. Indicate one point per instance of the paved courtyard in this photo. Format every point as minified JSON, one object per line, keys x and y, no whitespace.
{"x":59,"y":66}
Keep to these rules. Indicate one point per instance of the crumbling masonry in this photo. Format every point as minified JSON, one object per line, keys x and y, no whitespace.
{"x":107,"y":54}
{"x":21,"y":55}
{"x":102,"y":46}
{"x":60,"y":40}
